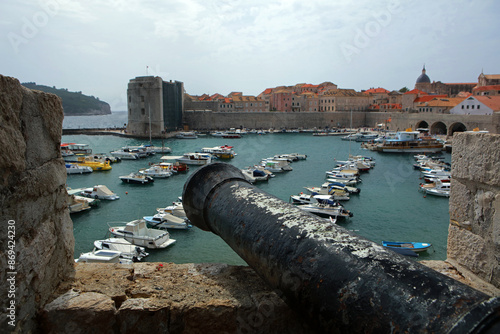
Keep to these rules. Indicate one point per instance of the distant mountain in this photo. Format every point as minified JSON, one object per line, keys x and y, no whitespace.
{"x":74,"y":103}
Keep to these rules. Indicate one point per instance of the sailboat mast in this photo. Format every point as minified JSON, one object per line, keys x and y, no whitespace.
{"x":149,"y":109}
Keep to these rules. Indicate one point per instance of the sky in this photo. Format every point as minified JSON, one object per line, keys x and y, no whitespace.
{"x":222,"y":46}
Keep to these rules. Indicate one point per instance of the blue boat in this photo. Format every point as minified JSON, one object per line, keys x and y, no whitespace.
{"x":412,"y":246}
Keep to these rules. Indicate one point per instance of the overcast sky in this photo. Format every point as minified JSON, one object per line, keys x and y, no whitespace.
{"x":246,"y":45}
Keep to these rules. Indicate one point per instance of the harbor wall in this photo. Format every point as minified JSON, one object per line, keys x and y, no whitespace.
{"x":474,"y":230}
{"x":36,"y":242}
{"x":209,"y":120}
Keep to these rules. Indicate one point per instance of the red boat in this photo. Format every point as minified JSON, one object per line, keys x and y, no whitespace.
{"x":178,"y":167}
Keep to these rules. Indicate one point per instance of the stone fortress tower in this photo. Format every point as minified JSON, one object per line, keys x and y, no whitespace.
{"x":154,"y":106}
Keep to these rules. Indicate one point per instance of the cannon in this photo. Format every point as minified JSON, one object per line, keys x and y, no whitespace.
{"x":338,"y":281}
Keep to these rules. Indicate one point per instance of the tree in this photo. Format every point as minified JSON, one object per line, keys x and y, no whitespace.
{"x":404,"y":90}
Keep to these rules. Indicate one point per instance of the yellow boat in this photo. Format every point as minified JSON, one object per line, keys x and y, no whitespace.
{"x":95,"y":165}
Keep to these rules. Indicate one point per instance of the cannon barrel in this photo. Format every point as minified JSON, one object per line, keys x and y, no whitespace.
{"x":339,"y":282}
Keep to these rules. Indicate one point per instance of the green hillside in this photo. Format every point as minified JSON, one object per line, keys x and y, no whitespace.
{"x":74,"y":103}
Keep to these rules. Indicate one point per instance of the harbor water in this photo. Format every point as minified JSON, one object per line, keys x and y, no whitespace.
{"x":389,"y":207}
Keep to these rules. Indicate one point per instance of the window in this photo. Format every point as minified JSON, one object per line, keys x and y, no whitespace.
{"x":142,"y":98}
{"x":467,"y":107}
{"x":462,"y":106}
{"x":478,"y":106}
{"x":472,"y":106}
{"x":143,"y":111}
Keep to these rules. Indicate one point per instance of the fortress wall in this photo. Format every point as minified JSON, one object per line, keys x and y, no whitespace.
{"x":36,"y":239}
{"x":207,"y":120}
{"x":474,"y":231}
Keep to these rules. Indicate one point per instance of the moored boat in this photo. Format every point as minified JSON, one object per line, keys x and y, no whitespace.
{"x":139,"y":234}
{"x":137,"y":178}
{"x":77,"y":169}
{"x":100,"y":192}
{"x":413,"y":246}
{"x":199,"y":159}
{"x":102,"y":256}
{"x":168,"y":221}
{"x":127,"y":250}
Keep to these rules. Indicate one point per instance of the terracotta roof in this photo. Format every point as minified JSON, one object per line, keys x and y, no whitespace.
{"x":391,"y":106}
{"x":491,"y":87}
{"x":379,"y":90}
{"x":246,"y":98}
{"x":464,"y":94}
{"x":449,"y":102}
{"x":416,"y":91}
{"x":426,"y":98}
{"x":267,"y":91}
{"x":227,"y":100}
{"x":492,"y":102}
{"x":343,"y":92}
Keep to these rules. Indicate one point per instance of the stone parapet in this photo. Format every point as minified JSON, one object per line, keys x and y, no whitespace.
{"x":474,"y":232}
{"x":169,"y":298}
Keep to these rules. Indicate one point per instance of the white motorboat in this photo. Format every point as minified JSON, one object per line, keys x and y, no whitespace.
{"x":221,"y":152}
{"x":102,"y":256}
{"x":167,"y":220}
{"x":77,"y":169}
{"x":100,"y":192}
{"x":254,"y":174}
{"x":77,"y":204}
{"x":128,"y":250}
{"x":137,"y":178}
{"x":156,"y":171}
{"x":125,"y":154}
{"x":316,"y":198}
{"x":195,"y":159}
{"x":441,"y":189}
{"x":176,"y":209}
{"x":137,"y":233}
{"x":276,"y":165}
{"x":186,"y":135}
{"x":326,"y":210}
{"x":340,"y":186}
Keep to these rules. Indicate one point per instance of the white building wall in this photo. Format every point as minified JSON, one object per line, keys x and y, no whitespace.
{"x":471,"y":106}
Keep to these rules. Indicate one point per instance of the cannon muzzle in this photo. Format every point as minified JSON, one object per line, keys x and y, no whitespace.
{"x":339,"y":282}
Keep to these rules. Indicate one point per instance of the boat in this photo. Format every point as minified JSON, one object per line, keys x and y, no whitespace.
{"x":186,"y":135}
{"x":408,"y":142}
{"x":77,"y":148}
{"x":326,"y":210}
{"x":76,"y":204}
{"x":77,"y":169}
{"x":95,"y":165}
{"x":341,"y":186}
{"x":221,"y":152}
{"x":102,"y":256}
{"x":441,"y":189}
{"x":167,"y":220}
{"x":100,"y":192}
{"x":125,"y":154}
{"x":180,"y":167}
{"x":317,"y":198}
{"x":137,"y":233}
{"x":137,"y":178}
{"x":195,"y":159}
{"x":176,"y":209}
{"x":366,"y":136}
{"x":127,"y":250}
{"x":157,"y":171}
{"x":276,"y":165}
{"x":254,"y":174}
{"x":413,"y":246}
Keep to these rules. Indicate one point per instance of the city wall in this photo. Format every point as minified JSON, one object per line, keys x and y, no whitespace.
{"x":208,"y":120}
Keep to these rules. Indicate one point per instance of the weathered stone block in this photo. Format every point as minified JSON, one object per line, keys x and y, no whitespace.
{"x":460,"y":201}
{"x":476,"y":158}
{"x":468,"y":249}
{"x":76,"y":313}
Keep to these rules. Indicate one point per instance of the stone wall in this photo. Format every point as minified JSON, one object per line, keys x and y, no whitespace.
{"x":208,"y":120}
{"x":474,"y":231}
{"x":36,"y":239}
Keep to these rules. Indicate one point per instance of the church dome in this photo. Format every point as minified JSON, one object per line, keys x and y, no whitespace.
{"x":423,"y":78}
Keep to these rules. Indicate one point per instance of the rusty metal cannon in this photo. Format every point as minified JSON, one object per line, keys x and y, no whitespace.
{"x":339,"y":282}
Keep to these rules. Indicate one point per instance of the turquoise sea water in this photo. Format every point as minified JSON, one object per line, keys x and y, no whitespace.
{"x":390,"y":207}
